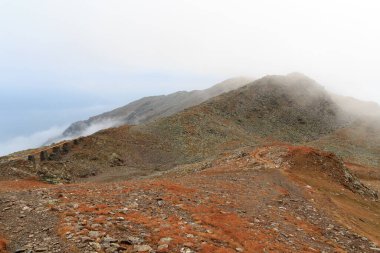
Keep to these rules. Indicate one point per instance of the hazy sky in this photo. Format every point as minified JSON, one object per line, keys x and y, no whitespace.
{"x":64,"y":60}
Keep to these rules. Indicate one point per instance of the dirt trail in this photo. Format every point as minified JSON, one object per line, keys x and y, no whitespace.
{"x":260,"y":155}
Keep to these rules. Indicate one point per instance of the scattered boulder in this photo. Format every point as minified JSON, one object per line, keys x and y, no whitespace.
{"x":186,"y":250}
{"x":66,"y":147}
{"x":109,"y":239}
{"x":143,"y":248}
{"x":31,"y":158}
{"x":94,"y":234}
{"x":44,"y":155}
{"x":162,"y":248}
{"x":132,"y":240}
{"x":56,"y":153}
{"x":116,"y":160}
{"x":57,"y":150}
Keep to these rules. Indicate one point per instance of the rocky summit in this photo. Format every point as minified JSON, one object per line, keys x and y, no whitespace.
{"x":273,"y":165}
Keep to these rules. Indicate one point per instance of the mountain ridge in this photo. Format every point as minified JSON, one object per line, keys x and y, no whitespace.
{"x":290,"y":109}
{"x":251,"y":170}
{"x":149,"y":108}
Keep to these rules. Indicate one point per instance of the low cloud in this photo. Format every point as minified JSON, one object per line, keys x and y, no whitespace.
{"x":26,"y":142}
{"x":88,"y":130}
{"x":93,"y":128}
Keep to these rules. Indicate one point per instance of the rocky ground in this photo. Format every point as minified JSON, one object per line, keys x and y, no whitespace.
{"x":244,"y":201}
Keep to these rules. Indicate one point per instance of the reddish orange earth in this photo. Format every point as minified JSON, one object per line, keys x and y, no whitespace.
{"x":19,"y":185}
{"x":3,"y":245}
{"x":253,"y":201}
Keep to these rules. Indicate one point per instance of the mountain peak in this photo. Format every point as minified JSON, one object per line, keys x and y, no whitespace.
{"x":292,"y":79}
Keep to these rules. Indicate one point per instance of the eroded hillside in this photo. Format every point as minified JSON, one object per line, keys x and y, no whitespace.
{"x":241,"y":172}
{"x":150,"y":108}
{"x":291,"y":109}
{"x":251,"y":200}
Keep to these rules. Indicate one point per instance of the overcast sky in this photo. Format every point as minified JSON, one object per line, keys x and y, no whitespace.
{"x":65,"y":60}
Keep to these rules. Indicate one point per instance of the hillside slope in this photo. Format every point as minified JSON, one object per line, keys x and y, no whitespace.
{"x":292,"y":109}
{"x":231,"y":174}
{"x":268,"y":199}
{"x":361,"y":109}
{"x":357,"y":143}
{"x":150,"y":108}
{"x":289,"y":109}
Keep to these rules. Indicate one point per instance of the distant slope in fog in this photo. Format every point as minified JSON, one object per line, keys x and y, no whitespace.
{"x":150,"y":108}
{"x":357,"y":107}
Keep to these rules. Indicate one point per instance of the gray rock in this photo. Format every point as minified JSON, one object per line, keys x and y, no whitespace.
{"x":44,"y":155}
{"x":20,"y":250}
{"x":132,"y":240}
{"x":41,"y":249}
{"x":165,"y":240}
{"x":162,"y":247}
{"x":111,"y":250}
{"x":109,"y":239}
{"x":86,"y":239}
{"x":142,"y":248}
{"x":186,"y":250}
{"x":94,"y":234}
{"x":95,"y":246}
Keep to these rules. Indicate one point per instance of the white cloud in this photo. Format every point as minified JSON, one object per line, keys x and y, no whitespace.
{"x":99,"y":126}
{"x":93,"y":128}
{"x":333,"y":41}
{"x":105,"y":47}
{"x":32,"y":141}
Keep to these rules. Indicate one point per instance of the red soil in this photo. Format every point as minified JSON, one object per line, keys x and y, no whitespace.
{"x":3,"y":245}
{"x":18,"y":185}
{"x":249,"y":202}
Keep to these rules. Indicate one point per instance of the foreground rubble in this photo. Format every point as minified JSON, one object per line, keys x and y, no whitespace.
{"x":247,"y":201}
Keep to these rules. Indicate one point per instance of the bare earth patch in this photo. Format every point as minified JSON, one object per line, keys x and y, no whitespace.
{"x":252,"y":201}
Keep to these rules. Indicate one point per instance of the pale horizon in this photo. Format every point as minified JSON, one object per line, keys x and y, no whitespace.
{"x":63,"y":61}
